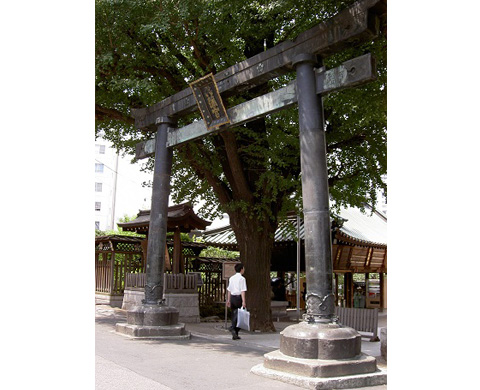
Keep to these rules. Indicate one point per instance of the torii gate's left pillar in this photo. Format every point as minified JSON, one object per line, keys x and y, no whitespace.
{"x":154,"y":319}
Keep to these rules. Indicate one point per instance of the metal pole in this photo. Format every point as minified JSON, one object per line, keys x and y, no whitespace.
{"x":298,"y":267}
{"x":157,"y":233}
{"x":114,"y":197}
{"x":318,"y":257}
{"x":226,"y":311}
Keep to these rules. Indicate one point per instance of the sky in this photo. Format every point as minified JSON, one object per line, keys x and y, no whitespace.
{"x":132,"y":196}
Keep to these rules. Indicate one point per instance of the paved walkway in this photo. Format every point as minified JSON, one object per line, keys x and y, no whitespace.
{"x":211,"y":359}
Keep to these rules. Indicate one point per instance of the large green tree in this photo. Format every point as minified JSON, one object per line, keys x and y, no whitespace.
{"x":147,"y":50}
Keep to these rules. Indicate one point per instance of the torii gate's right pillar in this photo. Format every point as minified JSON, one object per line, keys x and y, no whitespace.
{"x":318,"y":347}
{"x":316,"y":215}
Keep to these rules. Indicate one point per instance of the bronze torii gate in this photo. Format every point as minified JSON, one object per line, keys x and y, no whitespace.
{"x":318,"y":337}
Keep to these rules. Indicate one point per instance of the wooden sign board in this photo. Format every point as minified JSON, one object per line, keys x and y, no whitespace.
{"x":228,"y":270}
{"x":209,"y":102}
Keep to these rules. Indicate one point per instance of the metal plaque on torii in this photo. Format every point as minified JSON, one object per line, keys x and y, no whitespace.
{"x":210,"y":102}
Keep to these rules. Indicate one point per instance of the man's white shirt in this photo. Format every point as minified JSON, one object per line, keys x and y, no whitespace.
{"x":237,"y":284}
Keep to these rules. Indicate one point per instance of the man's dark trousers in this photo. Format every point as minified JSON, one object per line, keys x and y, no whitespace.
{"x":235,"y":304}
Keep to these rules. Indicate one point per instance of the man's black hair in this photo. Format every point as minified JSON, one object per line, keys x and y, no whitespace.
{"x":238,"y":267}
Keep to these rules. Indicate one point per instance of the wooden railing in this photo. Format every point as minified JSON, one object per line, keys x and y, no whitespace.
{"x":103,"y":277}
{"x":135,"y":281}
{"x":362,"y":320}
{"x":180,"y":283}
{"x":173,"y":283}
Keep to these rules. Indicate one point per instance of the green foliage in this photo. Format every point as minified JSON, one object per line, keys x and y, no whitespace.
{"x":120,"y":231}
{"x":218,"y":252}
{"x":148,"y":50}
{"x":184,"y":237}
{"x":126,"y":218}
{"x":117,"y":233}
{"x":356,"y":133}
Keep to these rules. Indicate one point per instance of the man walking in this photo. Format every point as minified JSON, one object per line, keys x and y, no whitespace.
{"x":237,"y":285}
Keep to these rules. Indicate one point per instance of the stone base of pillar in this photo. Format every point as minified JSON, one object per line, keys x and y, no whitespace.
{"x":320,"y":368}
{"x":383,"y":342}
{"x":321,"y":356}
{"x":376,"y":378}
{"x":170,"y":332}
{"x":153,"y":321}
{"x":320,"y":341}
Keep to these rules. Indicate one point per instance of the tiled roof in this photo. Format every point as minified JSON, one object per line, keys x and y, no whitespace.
{"x":179,"y":216}
{"x":358,"y":228}
{"x":364,"y":226}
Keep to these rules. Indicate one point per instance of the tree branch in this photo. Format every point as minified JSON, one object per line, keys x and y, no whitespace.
{"x":220,"y":150}
{"x":335,"y":179}
{"x":179,"y":56}
{"x":241,"y":186}
{"x":154,"y":71}
{"x":103,"y":113}
{"x":222,"y":191}
{"x":153,"y":49}
{"x":203,"y":59}
{"x":355,"y":140}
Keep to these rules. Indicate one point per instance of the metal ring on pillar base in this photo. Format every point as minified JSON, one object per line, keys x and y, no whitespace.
{"x":322,"y":300}
{"x":314,"y":316}
{"x":319,"y":319}
{"x":150,"y":297}
{"x":159,"y":302}
{"x":304,"y":57}
{"x":164,"y":119}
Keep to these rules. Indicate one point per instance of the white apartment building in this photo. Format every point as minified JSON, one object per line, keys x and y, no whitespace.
{"x":119,"y":191}
{"x":118,"y":187}
{"x":382,"y":199}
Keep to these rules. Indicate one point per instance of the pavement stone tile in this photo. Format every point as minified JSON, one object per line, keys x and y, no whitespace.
{"x":208,"y":360}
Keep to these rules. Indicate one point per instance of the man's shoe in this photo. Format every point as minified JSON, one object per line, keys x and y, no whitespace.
{"x":235,"y":337}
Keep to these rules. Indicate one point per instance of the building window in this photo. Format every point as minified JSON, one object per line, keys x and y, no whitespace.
{"x":100,"y":149}
{"x":97,"y":225}
{"x":99,"y":168}
{"x":98,"y":187}
{"x":98,"y":206}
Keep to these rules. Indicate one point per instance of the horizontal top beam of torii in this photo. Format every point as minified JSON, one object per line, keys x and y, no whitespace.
{"x":357,"y":23}
{"x":349,"y":74}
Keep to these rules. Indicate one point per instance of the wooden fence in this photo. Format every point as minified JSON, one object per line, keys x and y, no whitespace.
{"x":180,"y":283}
{"x":103,"y":273}
{"x":110,"y":271}
{"x":119,"y":264}
{"x":135,"y":281}
{"x":211,"y":290}
{"x":177,"y":283}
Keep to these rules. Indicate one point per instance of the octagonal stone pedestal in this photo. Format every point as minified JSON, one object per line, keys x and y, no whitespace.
{"x":153,"y":321}
{"x":321,"y":356}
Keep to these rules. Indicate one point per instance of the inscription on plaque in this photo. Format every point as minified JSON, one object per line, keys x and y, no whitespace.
{"x":209,"y":102}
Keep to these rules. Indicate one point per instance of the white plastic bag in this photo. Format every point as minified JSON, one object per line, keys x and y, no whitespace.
{"x":243,"y":319}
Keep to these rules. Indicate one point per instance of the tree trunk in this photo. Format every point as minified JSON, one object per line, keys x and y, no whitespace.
{"x":255,"y":242}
